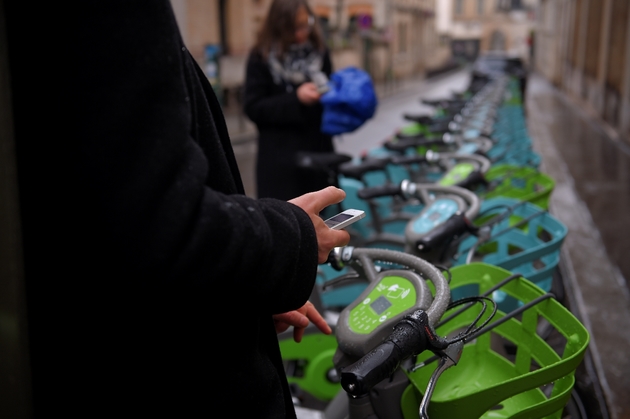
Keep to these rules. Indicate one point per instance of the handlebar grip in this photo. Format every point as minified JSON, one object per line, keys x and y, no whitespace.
{"x":440,"y":128}
{"x":403,"y":136}
{"x":456,"y":225}
{"x":420,"y":119}
{"x":411,"y":336}
{"x":409,"y":159}
{"x":388,"y":189}
{"x":432,"y":102}
{"x":373,"y":368}
{"x":321,"y":160}
{"x":473,"y":179}
{"x":404,"y":142}
{"x":356,"y":171}
{"x":444,"y":103}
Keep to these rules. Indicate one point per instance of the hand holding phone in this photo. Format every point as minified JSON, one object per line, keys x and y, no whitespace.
{"x":323,"y":89}
{"x":344,"y":219}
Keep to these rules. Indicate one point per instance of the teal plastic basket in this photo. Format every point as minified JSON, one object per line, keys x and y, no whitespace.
{"x":532,"y":249}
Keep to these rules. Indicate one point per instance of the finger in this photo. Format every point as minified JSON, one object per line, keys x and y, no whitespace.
{"x":292,"y":318}
{"x":298,"y":332}
{"x":326,"y":197}
{"x":316,"y":318}
{"x":318,"y":200}
{"x":328,"y":239}
{"x":341,"y":239}
{"x":281,"y":326}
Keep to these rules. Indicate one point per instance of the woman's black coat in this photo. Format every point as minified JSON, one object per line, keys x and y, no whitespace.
{"x":150,"y":278}
{"x":285,"y":127}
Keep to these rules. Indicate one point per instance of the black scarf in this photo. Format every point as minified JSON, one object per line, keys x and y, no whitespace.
{"x":300,"y":64}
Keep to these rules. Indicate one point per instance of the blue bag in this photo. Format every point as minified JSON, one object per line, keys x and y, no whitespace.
{"x":350,"y":101}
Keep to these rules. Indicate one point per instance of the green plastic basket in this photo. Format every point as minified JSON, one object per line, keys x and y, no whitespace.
{"x":309,"y":364}
{"x":488,"y":382}
{"x":520,"y":182}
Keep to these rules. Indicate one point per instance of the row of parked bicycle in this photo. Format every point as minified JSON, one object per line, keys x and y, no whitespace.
{"x":455,"y":262}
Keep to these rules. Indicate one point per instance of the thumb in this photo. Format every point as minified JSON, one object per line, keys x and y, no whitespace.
{"x":328,"y":196}
{"x":315,"y":202}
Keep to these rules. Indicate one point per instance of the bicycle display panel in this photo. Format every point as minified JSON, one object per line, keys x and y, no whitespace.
{"x":391,"y":297}
{"x":369,"y":319}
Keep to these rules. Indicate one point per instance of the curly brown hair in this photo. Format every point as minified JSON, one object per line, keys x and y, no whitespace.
{"x":279,"y":27}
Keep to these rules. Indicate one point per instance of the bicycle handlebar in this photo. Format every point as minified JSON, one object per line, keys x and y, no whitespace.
{"x":321,"y":160}
{"x":476,"y":177}
{"x":482,"y":162}
{"x":362,"y":260}
{"x":356,"y":171}
{"x":422,"y":191}
{"x":447,"y":104}
{"x":407,"y":159}
{"x":405,"y":141}
{"x":387,"y":189}
{"x":411,"y":336}
{"x":456,"y":225}
{"x":423,"y":119}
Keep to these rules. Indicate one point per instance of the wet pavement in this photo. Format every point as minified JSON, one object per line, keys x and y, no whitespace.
{"x":599,"y":166}
{"x":591,"y":197}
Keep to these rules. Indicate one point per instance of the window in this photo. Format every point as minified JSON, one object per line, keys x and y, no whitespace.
{"x":459,"y":7}
{"x":402,"y":37}
{"x":504,"y":5}
{"x":324,"y":26}
{"x":509,"y":5}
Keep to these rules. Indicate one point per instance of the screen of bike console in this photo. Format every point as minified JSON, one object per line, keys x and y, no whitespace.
{"x":391,"y":297}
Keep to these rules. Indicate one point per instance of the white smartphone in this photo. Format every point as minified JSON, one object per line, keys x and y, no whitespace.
{"x":323,"y":89}
{"x":344,"y":219}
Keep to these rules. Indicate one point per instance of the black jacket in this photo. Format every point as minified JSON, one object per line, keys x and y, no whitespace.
{"x":285,"y":127}
{"x":150,"y":278}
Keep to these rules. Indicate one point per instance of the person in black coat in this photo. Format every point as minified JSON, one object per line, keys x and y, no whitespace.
{"x":285,"y":71}
{"x":154,"y":287}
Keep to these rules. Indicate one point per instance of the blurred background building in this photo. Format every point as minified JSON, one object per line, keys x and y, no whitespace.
{"x":475,"y":26}
{"x":581,"y":46}
{"x":393,"y":40}
{"x":388,"y":38}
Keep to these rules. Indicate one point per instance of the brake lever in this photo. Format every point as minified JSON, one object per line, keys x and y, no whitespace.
{"x":450,"y":356}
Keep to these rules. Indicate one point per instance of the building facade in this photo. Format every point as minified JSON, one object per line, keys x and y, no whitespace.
{"x":387,"y":38}
{"x":583,"y":47}
{"x":476,"y":26}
